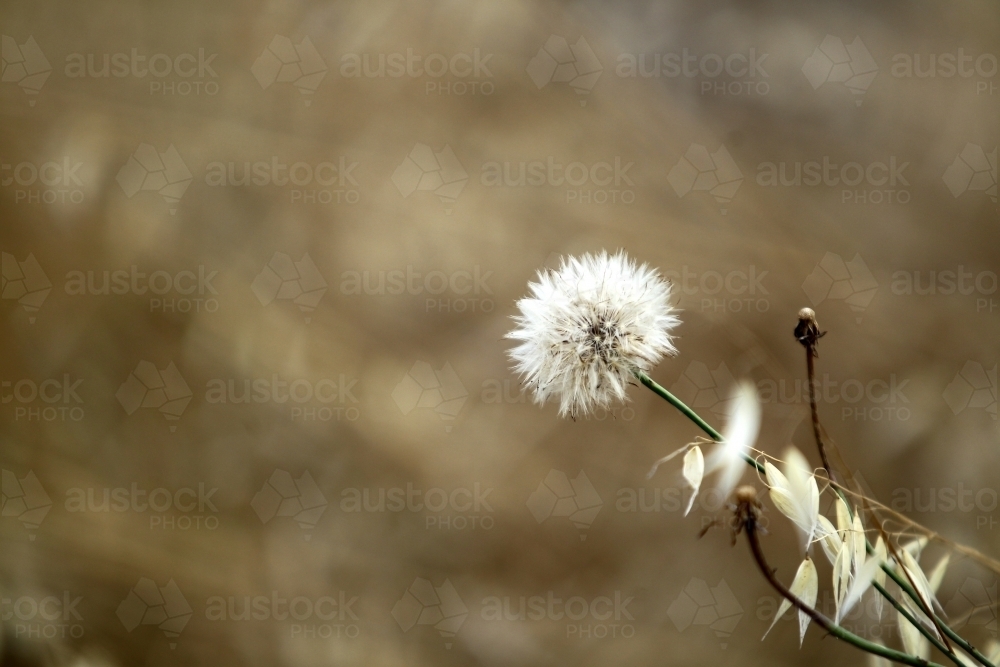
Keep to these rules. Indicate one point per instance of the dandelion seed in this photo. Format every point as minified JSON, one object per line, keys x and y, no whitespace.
{"x":588,"y":327}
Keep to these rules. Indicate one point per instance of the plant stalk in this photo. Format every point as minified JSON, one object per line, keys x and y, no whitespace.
{"x":750,"y":524}
{"x":689,"y":413}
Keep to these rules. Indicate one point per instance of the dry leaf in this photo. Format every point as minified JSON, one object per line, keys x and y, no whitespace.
{"x":881,"y":556}
{"x":795,"y":493}
{"x":805,"y":587}
{"x":859,"y":541}
{"x":924,"y":592}
{"x":841,"y":575}
{"x":937,"y":575}
{"x":992,"y":650}
{"x":740,"y":434}
{"x":913,"y":642}
{"x":859,"y":585}
{"x":829,"y":538}
{"x":694,"y":470}
{"x":844,"y":521}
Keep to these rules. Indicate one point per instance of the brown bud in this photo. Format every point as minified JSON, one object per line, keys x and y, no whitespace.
{"x":807,"y":330}
{"x":745,"y":494}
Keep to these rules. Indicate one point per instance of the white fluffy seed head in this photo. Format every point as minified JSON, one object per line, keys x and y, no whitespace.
{"x":587,"y":327}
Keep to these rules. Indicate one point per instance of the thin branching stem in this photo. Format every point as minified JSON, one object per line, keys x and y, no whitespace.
{"x":918,"y":625}
{"x":809,"y":337}
{"x":952,"y":635}
{"x":663,"y":393}
{"x":750,"y":525}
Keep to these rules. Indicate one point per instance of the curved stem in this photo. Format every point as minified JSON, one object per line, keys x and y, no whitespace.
{"x":810,"y":344}
{"x":821,"y":620}
{"x":904,"y":586}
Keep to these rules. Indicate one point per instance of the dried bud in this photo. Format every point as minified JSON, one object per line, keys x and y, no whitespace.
{"x":745,"y":494}
{"x":807,"y":330}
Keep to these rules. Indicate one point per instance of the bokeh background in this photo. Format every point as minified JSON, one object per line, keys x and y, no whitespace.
{"x":369,"y":263}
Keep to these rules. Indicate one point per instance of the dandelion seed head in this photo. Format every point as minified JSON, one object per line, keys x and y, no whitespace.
{"x":588,"y":326}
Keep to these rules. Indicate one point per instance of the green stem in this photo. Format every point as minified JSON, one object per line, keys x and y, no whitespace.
{"x":952,"y":635}
{"x":918,"y":625}
{"x":821,"y":620}
{"x":689,"y":413}
{"x":903,"y":585}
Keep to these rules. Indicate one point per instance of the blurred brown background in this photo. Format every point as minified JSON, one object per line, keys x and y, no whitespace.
{"x":369,"y":263}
